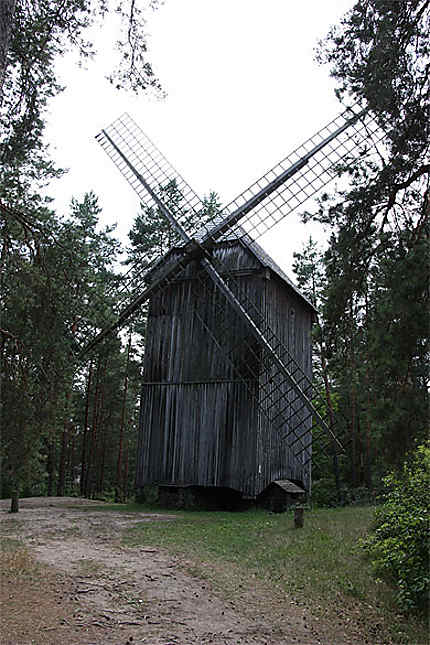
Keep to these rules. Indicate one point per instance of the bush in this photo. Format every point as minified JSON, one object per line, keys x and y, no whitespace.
{"x":398,"y":543}
{"x":147,"y":494}
{"x":325,"y":494}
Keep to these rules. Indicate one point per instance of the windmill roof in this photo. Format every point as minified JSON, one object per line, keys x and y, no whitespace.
{"x":240,"y":235}
{"x":270,"y":263}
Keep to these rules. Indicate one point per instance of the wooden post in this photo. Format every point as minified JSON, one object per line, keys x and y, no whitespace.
{"x":299,"y":512}
{"x":14,"y":501}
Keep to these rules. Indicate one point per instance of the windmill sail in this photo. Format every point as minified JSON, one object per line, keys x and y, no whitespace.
{"x":137,"y":158}
{"x":302,"y":174}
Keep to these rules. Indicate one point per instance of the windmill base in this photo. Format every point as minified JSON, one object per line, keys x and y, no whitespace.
{"x":277,"y":497}
{"x":188,"y":496}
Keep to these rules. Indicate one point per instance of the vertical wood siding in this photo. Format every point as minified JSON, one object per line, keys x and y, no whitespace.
{"x":291,"y":320}
{"x":199,"y":422}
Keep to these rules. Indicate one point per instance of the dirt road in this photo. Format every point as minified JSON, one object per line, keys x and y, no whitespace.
{"x":98,"y":591}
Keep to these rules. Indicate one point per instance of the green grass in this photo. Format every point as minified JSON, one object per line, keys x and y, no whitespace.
{"x":320,"y":565}
{"x":15,"y":561}
{"x":271,"y":547}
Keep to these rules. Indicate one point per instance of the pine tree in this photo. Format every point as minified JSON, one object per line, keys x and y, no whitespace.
{"x":376,"y":267}
{"x":55,"y":291}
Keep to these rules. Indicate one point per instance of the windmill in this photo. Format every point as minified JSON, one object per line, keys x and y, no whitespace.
{"x":228,"y":403}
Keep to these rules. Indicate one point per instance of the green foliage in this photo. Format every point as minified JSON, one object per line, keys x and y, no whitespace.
{"x":324,"y":492}
{"x":326,"y":495}
{"x":59,"y":288}
{"x":309,"y":269}
{"x":371,"y":285}
{"x":147,"y":495}
{"x":42,"y":31}
{"x":57,"y":284}
{"x":380,"y":52}
{"x":398,"y":544}
{"x":151,"y":235}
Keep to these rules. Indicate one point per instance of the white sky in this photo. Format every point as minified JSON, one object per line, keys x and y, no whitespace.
{"x":242,"y":88}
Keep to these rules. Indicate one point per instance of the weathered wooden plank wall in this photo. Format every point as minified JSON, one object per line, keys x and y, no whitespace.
{"x":200,"y":423}
{"x":291,"y":319}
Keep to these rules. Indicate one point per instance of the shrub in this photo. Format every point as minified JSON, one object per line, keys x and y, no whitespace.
{"x":325,"y":494}
{"x":398,"y":542}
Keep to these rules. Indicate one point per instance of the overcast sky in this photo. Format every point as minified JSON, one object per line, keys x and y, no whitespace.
{"x":242,"y":88}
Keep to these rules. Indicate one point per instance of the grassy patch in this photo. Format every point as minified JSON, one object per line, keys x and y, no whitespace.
{"x":320,"y":565}
{"x":90,"y":568}
{"x":15,"y":561}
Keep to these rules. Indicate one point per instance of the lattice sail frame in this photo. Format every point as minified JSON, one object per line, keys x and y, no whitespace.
{"x":255,"y":211}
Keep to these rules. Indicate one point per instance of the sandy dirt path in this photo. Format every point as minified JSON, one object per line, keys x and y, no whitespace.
{"x":116,"y":595}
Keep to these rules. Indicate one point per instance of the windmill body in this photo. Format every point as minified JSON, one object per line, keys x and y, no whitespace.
{"x":202,"y":417}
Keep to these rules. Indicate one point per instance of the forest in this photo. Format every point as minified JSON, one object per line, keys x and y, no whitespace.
{"x":69,"y":420}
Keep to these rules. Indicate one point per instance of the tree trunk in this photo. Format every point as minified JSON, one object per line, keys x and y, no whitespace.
{"x":50,"y":466}
{"x":7,"y":9}
{"x":71,"y":466}
{"x":102,"y":465}
{"x":354,"y":456}
{"x":125,"y":473}
{"x":92,"y":435}
{"x":360,"y":453}
{"x":91,"y":477}
{"x":62,"y":464}
{"x":63,"y":458}
{"x":119,"y":492}
{"x":368,"y":472}
{"x":99,"y":441}
{"x":84,"y":454}
{"x":331,"y":417}
{"x":14,"y":499}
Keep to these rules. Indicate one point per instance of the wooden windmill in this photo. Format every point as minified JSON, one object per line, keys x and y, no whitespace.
{"x":227,"y":396}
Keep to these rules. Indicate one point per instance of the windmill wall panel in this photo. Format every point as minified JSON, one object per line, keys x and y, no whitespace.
{"x":204,"y":434}
{"x":291,"y":320}
{"x":200,"y":421}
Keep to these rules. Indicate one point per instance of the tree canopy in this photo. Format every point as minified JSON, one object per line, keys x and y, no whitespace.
{"x":57,"y":278}
{"x":374,"y":294}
